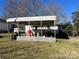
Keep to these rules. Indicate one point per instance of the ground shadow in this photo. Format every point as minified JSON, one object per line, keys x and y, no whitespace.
{"x":2,"y":36}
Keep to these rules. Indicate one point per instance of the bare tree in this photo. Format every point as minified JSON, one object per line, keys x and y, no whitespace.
{"x":14,"y":8}
{"x":20,"y":8}
{"x":55,"y":9}
{"x":75,"y":17}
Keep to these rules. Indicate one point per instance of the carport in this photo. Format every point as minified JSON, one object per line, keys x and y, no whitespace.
{"x":36,"y":21}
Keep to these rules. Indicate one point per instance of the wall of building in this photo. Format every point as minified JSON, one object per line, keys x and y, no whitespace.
{"x":3,"y":27}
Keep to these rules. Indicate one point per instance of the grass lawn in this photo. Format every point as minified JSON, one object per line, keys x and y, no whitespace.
{"x":62,"y":49}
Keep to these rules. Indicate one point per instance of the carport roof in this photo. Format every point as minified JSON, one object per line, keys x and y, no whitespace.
{"x":35,"y":18}
{"x":35,"y":21}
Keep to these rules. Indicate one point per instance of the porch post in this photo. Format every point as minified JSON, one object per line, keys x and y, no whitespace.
{"x":41,"y":28}
{"x":36,"y":30}
{"x":7,"y":28}
{"x":54,"y":31}
{"x":17,"y":23}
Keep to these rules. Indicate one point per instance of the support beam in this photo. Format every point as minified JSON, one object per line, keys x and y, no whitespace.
{"x":54,"y":31}
{"x":41,"y":28}
{"x":7,"y":28}
{"x":18,"y":28}
{"x":36,"y":30}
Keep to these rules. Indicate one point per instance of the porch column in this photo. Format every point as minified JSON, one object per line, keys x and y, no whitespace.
{"x":41,"y":28}
{"x":36,"y":30}
{"x":18,"y":28}
{"x":54,"y":31}
{"x":7,"y":28}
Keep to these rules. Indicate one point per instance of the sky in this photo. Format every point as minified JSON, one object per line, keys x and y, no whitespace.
{"x":1,"y":7}
{"x":68,"y":5}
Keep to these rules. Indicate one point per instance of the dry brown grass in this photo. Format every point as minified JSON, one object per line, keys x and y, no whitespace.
{"x":62,"y":49}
